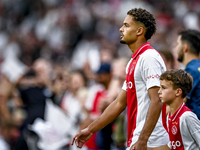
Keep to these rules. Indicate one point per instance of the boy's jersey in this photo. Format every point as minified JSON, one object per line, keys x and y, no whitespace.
{"x":184,"y":129}
{"x":143,"y":72}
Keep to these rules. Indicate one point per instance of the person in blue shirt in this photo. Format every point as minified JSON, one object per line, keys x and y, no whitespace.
{"x":188,"y":49}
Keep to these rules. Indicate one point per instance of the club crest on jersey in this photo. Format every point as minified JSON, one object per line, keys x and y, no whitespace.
{"x":174,"y":130}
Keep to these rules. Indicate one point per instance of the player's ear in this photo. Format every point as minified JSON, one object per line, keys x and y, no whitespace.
{"x":140,"y":30}
{"x":185,"y":47}
{"x":179,"y":92}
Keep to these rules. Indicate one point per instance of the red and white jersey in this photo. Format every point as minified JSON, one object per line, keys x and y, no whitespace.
{"x":143,"y":72}
{"x":184,"y":129}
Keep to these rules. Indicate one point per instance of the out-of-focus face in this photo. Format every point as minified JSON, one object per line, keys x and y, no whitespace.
{"x":77,"y":81}
{"x":42,"y":69}
{"x":128,"y":30}
{"x":179,"y":49}
{"x":166,"y":92}
{"x":103,"y":78}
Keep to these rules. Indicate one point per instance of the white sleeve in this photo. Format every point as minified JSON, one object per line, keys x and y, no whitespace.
{"x":190,"y":129}
{"x":152,"y":66}
{"x":169,"y":145}
{"x":124,"y":86}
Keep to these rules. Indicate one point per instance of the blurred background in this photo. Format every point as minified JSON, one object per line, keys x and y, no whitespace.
{"x":55,"y":53}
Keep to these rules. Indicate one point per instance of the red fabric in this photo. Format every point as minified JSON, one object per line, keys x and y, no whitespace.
{"x":131,"y":93}
{"x":91,"y":144}
{"x":164,"y":112}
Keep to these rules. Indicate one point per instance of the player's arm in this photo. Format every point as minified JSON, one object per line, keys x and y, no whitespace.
{"x":151,"y":118}
{"x":110,"y":113}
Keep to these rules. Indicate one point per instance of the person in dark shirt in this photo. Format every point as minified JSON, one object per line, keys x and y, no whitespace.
{"x":34,"y":89}
{"x":188,"y":48}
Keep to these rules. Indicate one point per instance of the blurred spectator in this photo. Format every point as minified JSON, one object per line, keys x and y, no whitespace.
{"x":168,"y":58}
{"x":72,"y":104}
{"x":8,"y":134}
{"x":8,"y":128}
{"x":188,"y":50}
{"x":34,"y":88}
{"x":117,"y":80}
{"x":97,"y":92}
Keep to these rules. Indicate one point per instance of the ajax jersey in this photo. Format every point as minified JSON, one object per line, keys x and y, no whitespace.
{"x":143,"y":72}
{"x":184,"y":129}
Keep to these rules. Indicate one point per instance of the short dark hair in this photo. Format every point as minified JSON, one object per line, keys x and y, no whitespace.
{"x":179,"y":79}
{"x":192,"y":37}
{"x":145,"y":17}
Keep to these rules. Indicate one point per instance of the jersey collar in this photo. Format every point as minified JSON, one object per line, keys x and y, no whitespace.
{"x":173,"y":117}
{"x":141,"y":49}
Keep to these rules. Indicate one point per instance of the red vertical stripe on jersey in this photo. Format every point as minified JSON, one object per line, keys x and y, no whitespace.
{"x":131,"y":93}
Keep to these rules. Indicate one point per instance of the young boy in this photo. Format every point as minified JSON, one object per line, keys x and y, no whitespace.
{"x":182,"y":124}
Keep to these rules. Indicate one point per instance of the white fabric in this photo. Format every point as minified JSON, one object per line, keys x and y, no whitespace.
{"x":190,"y":131}
{"x":53,"y":131}
{"x":3,"y":144}
{"x":72,"y":107}
{"x":13,"y":68}
{"x":58,"y":126}
{"x":91,"y":95}
{"x":86,"y":52}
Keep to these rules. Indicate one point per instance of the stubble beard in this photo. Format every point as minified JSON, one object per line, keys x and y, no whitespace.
{"x":122,"y":42}
{"x":180,"y":58}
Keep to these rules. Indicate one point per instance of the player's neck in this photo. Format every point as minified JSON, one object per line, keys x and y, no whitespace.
{"x":175,"y":105}
{"x":136,"y":45}
{"x":188,"y":58}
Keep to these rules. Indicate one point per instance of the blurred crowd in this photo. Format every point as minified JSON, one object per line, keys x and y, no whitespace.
{"x":61,"y":65}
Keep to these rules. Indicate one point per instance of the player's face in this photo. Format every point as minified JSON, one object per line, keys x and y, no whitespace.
{"x":166,"y":92}
{"x":128,"y":30}
{"x":179,"y":49}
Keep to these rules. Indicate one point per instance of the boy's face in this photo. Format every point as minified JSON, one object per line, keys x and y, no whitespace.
{"x":166,"y":92}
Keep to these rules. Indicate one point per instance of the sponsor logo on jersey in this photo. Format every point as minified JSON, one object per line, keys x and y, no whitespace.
{"x":175,"y":144}
{"x":129,"y":85}
{"x":152,"y":77}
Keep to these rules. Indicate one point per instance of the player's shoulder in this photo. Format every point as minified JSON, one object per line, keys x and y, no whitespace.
{"x":151,"y":53}
{"x":189,"y":121}
{"x":188,"y":116}
{"x":151,"y":56}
